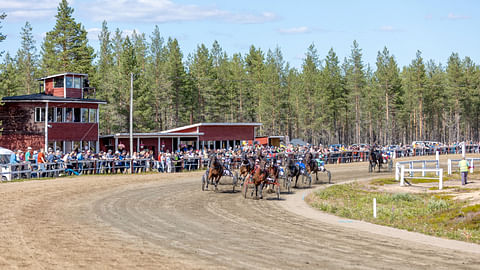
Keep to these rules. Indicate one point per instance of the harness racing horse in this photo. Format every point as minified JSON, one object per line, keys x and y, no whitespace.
{"x":246,"y":167}
{"x":316,"y":165}
{"x":215,"y":171}
{"x":259,"y":178}
{"x":374,"y":159}
{"x":312,"y":165}
{"x":293,"y":170}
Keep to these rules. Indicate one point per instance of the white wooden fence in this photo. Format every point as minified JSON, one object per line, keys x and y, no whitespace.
{"x":412,"y":163}
{"x":438,"y":171}
{"x":452,"y":161}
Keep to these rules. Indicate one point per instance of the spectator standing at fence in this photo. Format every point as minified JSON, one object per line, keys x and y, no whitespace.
{"x":464,"y":166}
{"x":29,"y":155}
{"x":168,"y":161}
{"x":41,"y":160}
{"x":13,"y":157}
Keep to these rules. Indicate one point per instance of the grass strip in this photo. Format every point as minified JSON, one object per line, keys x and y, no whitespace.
{"x":432,"y":214}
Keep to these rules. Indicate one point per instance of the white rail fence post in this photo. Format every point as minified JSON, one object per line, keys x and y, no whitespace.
{"x":402,"y":176}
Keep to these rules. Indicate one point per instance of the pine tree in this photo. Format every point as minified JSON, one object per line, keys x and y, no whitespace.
{"x":201,"y":71}
{"x":356,"y":82}
{"x":65,"y":48}
{"x":157,"y":80}
{"x":2,"y":36}
{"x":104,"y":82}
{"x":177,"y":77}
{"x":388,"y":83}
{"x":27,"y":60}
{"x":8,"y":77}
{"x":310,"y":96}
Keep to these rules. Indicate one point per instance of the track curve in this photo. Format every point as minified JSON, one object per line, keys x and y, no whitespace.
{"x":165,"y":221}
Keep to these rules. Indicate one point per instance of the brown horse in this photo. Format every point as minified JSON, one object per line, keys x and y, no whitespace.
{"x":245,"y":168}
{"x":259,"y":178}
{"x":215,"y":171}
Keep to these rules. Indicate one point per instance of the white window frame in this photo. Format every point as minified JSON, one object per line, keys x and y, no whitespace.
{"x":40,"y":116}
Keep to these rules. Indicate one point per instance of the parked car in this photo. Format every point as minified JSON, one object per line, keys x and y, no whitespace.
{"x":4,"y":163}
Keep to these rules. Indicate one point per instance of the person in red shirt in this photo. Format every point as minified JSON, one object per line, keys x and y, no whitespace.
{"x":41,"y":161}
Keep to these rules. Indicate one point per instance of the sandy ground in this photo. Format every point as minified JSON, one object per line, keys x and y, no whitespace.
{"x":159,"y":221}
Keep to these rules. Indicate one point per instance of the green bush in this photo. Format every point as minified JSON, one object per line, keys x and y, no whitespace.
{"x":404,"y":197}
{"x":435,"y":205}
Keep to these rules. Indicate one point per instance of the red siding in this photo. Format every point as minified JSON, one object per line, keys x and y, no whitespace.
{"x":73,"y":132}
{"x":49,"y":87}
{"x":223,"y":133}
{"x":58,"y":92}
{"x":74,"y":93}
{"x":262,"y":140}
{"x":17,"y":141}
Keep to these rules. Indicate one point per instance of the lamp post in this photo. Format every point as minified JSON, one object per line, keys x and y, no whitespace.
{"x":131,"y":114}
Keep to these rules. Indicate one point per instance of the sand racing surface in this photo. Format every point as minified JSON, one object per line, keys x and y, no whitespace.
{"x":160,"y":221}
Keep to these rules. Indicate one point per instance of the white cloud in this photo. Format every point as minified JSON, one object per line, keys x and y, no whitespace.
{"x":93,"y":33}
{"x":159,"y":11}
{"x":295,"y":30}
{"x":29,"y":9}
{"x":452,"y":16}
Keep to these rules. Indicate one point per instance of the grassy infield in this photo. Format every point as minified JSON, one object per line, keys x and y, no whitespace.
{"x":434,"y":214}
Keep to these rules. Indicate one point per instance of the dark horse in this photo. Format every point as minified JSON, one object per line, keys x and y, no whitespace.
{"x":292,"y":170}
{"x":215,"y":171}
{"x":374,"y":159}
{"x":312,"y":165}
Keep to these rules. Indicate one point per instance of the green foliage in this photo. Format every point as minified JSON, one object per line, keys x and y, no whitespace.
{"x":435,"y":214}
{"x":435,"y":205}
{"x":27,"y":61}
{"x":2,"y":36}
{"x":65,"y":48}
{"x":472,"y":208}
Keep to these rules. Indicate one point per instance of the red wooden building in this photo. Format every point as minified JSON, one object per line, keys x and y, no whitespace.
{"x":196,"y":136}
{"x":63,"y":116}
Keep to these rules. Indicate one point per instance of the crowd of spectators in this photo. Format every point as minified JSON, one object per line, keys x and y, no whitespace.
{"x":120,"y":161}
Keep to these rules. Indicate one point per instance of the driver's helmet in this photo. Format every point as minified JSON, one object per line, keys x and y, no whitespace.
{"x":300,"y":159}
{"x":279,"y":161}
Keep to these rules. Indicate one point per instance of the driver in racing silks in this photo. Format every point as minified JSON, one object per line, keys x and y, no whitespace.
{"x":301,"y":165}
{"x":321,"y":163}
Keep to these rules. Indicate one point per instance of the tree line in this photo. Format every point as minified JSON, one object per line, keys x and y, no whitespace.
{"x":327,"y":100}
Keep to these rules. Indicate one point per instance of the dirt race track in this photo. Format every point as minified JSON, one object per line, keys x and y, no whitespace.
{"x":159,"y":221}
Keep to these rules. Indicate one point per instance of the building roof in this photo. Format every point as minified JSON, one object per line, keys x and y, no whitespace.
{"x":153,"y":135}
{"x":213,"y":124}
{"x":50,"y":98}
{"x":62,"y":74}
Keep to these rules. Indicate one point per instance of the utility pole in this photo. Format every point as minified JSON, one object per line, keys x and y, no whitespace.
{"x":131,"y":114}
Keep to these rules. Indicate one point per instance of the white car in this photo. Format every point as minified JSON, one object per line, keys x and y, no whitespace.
{"x":4,"y":164}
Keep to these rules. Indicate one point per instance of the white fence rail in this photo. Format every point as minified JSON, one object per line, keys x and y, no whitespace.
{"x":439,"y":173}
{"x":412,"y":163}
{"x":452,"y":161}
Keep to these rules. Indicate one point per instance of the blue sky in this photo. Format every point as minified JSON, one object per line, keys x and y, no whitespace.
{"x":437,"y":28}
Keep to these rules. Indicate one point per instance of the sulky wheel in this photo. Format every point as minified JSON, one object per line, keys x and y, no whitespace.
{"x":309,"y":180}
{"x":277,"y":187}
{"x":204,"y":181}
{"x":329,"y":174}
